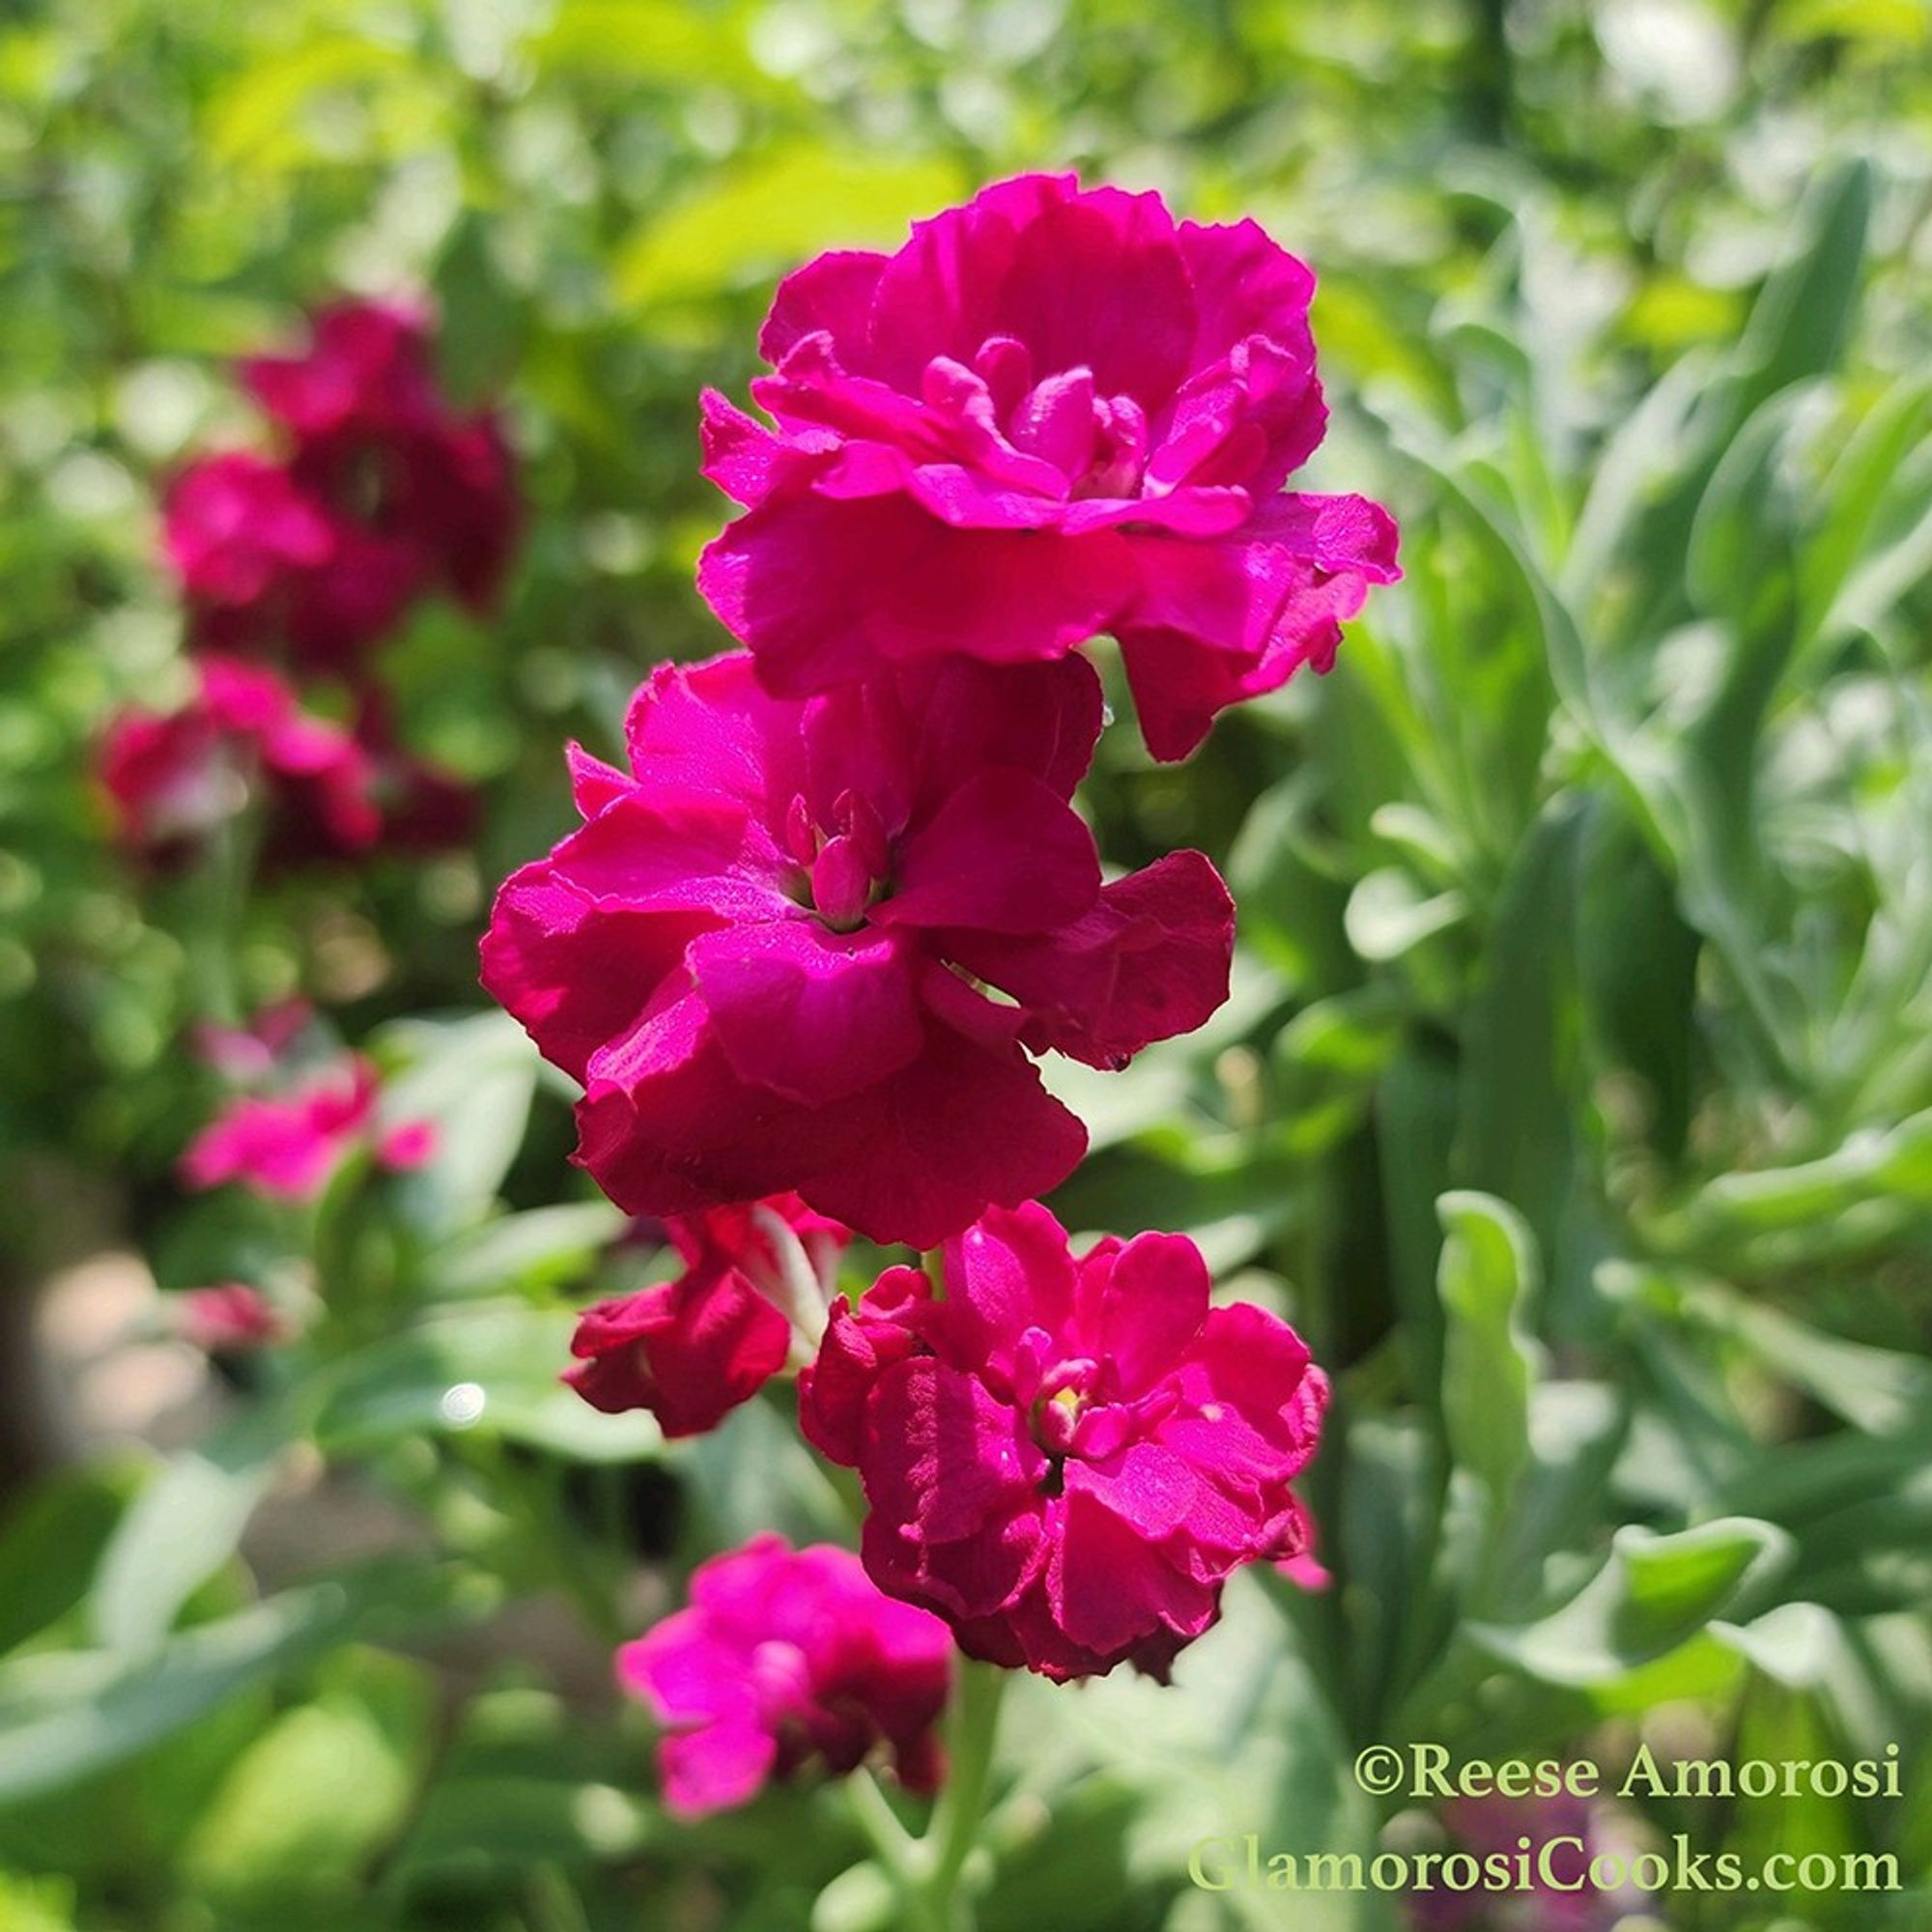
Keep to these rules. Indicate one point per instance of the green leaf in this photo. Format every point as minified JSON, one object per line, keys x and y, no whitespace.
{"x":1799,"y":320}
{"x":771,"y":213}
{"x":522,"y":1782}
{"x":754,"y":1473}
{"x":1415,"y":1126}
{"x":473,"y":1079}
{"x":1388,"y":916}
{"x":667,"y":43}
{"x":183,"y":1525}
{"x":66,"y":1714}
{"x":1516,"y":1137}
{"x":35,"y":1905}
{"x":1874,"y":1389}
{"x":1487,"y":1278}
{"x":1878,"y":1183}
{"x":1741,"y":563}
{"x":1854,"y":496}
{"x":1636,"y":964}
{"x":543,"y":1247}
{"x":489,"y":1368}
{"x":52,"y":1541}
{"x":862,"y":1898}
{"x":1858,"y":1509}
{"x":262,"y":116}
{"x":307,"y":1805}
{"x":1653,"y":1599}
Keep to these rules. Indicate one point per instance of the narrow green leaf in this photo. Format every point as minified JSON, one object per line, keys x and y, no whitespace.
{"x":1655,"y":1596}
{"x":1488,"y":1275}
{"x":185,"y":1526}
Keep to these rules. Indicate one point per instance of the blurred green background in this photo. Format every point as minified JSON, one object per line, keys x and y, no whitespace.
{"x":1575,"y":1097}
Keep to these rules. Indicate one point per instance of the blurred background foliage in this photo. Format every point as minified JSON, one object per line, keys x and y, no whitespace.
{"x":1575,"y":1097}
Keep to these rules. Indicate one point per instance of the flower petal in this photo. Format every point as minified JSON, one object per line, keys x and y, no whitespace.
{"x":1003,"y":854}
{"x":1148,"y":962}
{"x":815,"y":1016}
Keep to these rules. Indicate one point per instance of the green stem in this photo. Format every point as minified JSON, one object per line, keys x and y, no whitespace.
{"x":962,"y":1802}
{"x":925,"y":1872}
{"x":895,"y":1850}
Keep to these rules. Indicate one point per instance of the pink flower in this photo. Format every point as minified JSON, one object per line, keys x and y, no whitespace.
{"x":1574,"y":1831}
{"x":386,"y":494}
{"x":692,"y":1349}
{"x":1053,"y":413}
{"x":329,"y":792}
{"x":231,"y":1318}
{"x":783,"y":1656}
{"x":170,"y":780}
{"x":1306,"y":1571}
{"x":766,"y":952}
{"x":287,"y":1146}
{"x":251,"y":1051}
{"x":374,"y":433}
{"x":174,"y":779}
{"x":263,"y":558}
{"x":238,"y":530}
{"x":366,"y":372}
{"x":1067,"y":1457}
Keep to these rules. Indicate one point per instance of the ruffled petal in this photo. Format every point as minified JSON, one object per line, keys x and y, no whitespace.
{"x":813,"y":1014}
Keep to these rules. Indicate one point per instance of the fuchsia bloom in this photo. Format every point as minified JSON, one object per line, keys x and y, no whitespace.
{"x":238,"y":531}
{"x":785,"y":1655}
{"x":1054,"y":411}
{"x":766,"y":951}
{"x":386,"y":494}
{"x":287,"y":1146}
{"x":331,"y":792}
{"x":232,"y":1319}
{"x":251,"y":1051}
{"x":175,"y":777}
{"x":263,"y":558}
{"x":1493,"y":1828}
{"x":1066,"y":1457}
{"x":692,"y":1349}
{"x":371,"y":426}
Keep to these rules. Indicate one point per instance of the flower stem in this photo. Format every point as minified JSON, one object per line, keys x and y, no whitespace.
{"x":895,"y":1850}
{"x":962,"y":1802}
{"x":925,"y":1872}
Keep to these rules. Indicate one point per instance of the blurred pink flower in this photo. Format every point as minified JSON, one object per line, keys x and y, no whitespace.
{"x":785,"y":1657}
{"x":263,"y":559}
{"x":766,"y":952}
{"x":329,"y":790}
{"x":1054,"y":412}
{"x":691,"y":1349}
{"x":173,"y":779}
{"x":384,"y":493}
{"x":287,"y":1146}
{"x":230,"y":1319}
{"x":373,"y":430}
{"x":1495,"y":1826}
{"x":1066,"y":1457}
{"x":251,"y":1051}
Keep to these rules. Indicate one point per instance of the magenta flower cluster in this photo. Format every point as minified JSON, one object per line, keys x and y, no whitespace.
{"x":783,"y":1656}
{"x":812,"y":943}
{"x":297,"y":1110}
{"x":293,"y":567}
{"x":382,"y":495}
{"x":1066,"y":1456}
{"x":813,"y":937}
{"x":1054,"y":411}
